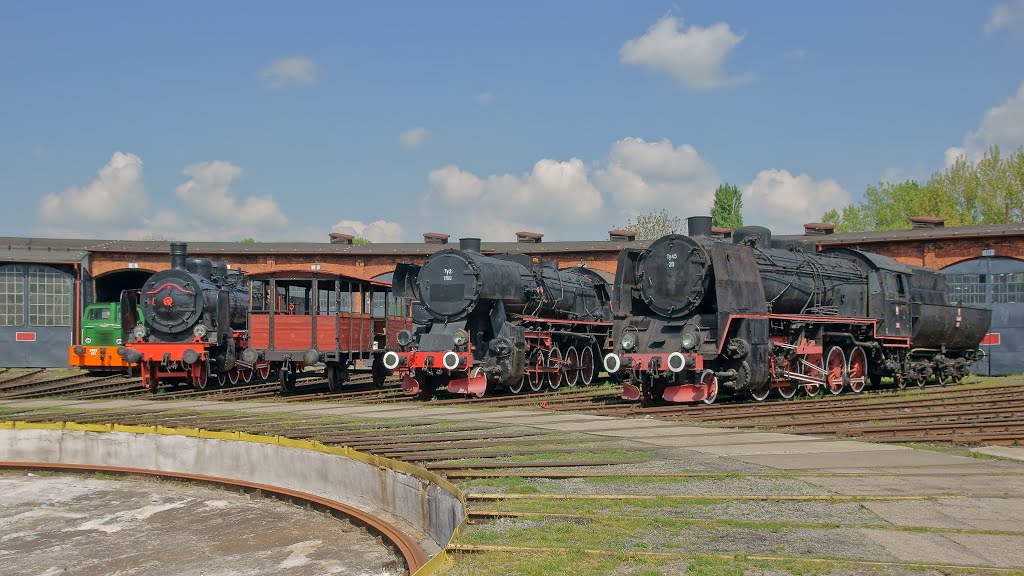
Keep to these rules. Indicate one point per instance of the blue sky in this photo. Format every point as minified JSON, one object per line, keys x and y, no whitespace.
{"x":220,"y":120}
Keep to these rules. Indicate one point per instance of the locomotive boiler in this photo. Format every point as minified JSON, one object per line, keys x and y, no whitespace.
{"x":194,"y":314}
{"x":505,"y":321}
{"x":694,"y":313}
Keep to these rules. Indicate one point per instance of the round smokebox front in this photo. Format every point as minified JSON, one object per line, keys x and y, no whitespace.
{"x":448,"y":284}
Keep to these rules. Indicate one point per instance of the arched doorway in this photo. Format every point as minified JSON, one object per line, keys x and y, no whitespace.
{"x":110,"y":285}
{"x":996,"y":283}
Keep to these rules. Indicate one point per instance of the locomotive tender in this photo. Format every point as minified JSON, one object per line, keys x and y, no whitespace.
{"x":195,"y":316}
{"x":694,"y":313}
{"x":505,"y":321}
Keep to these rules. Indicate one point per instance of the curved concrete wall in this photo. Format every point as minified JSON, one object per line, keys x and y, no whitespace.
{"x":422,"y":504}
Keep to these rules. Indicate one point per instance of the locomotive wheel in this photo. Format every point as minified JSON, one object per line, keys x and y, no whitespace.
{"x":942,"y":377}
{"x":246,"y":374}
{"x":337,"y":375}
{"x":901,"y":381}
{"x":709,"y":380}
{"x":263,"y":370}
{"x":813,"y":390}
{"x":761,"y":394}
{"x":475,"y":373}
{"x":787,"y":390}
{"x":380,"y":373}
{"x":648,"y":393}
{"x":587,"y":365}
{"x":287,"y":378}
{"x":920,"y":381}
{"x":537,"y":378}
{"x":233,"y":376}
{"x":428,"y":385}
{"x":857,"y":368}
{"x":222,"y":379}
{"x":518,"y":385}
{"x":200,"y":373}
{"x":572,"y":367}
{"x":555,"y":361}
{"x":835,"y":367}
{"x":149,"y":377}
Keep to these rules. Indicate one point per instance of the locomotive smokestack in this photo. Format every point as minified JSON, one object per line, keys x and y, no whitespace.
{"x":698,"y":226}
{"x":179,"y":251}
{"x":469,"y":245}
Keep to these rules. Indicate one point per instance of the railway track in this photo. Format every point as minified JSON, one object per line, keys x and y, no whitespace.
{"x":957,"y":414}
{"x":601,"y":480}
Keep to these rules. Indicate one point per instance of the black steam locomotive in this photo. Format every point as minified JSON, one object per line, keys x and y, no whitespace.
{"x":507,"y":321}
{"x":694,"y":313}
{"x":194,"y":314}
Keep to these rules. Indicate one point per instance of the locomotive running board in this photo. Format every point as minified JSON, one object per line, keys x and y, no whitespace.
{"x":468,"y":385}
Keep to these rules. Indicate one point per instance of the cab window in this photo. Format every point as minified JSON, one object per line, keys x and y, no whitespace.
{"x":99,"y":314}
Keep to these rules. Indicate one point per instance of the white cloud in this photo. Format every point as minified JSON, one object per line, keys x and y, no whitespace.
{"x":293,"y":71}
{"x":695,"y":57}
{"x":797,"y":54}
{"x":641,"y":175}
{"x":485,"y":97}
{"x":413,"y":137}
{"x":1006,"y":15}
{"x":1002,"y":126}
{"x":377,"y":231}
{"x":117,"y":196}
{"x":784,"y":203}
{"x":212,"y":204}
{"x":553,"y":193}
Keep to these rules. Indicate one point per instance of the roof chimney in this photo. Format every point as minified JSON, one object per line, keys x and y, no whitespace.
{"x":339,"y":238}
{"x":698,"y":226}
{"x":434,"y":238}
{"x":818,"y":229}
{"x":621,"y":236}
{"x":720,"y":232}
{"x":529,"y":237}
{"x":926,"y":222}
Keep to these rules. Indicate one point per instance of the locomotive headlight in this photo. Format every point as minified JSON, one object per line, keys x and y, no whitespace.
{"x":460,"y":337}
{"x":628,"y":341}
{"x":404,"y":337}
{"x":139,"y":331}
{"x":689,"y":340}
{"x":88,"y":340}
{"x":199,"y":331}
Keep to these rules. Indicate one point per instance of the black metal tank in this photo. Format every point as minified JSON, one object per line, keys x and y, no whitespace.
{"x":453,"y":282}
{"x":808,"y":283}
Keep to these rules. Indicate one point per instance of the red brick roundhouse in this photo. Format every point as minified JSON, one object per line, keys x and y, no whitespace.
{"x":45,"y":283}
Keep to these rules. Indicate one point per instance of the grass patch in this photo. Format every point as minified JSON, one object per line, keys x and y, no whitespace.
{"x":585,"y":455}
{"x":560,"y":562}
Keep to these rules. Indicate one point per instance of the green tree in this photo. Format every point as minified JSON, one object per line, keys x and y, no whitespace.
{"x":990,"y":191}
{"x":725,"y":212}
{"x":249,"y":240}
{"x":655,"y":224}
{"x":361,"y":241}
